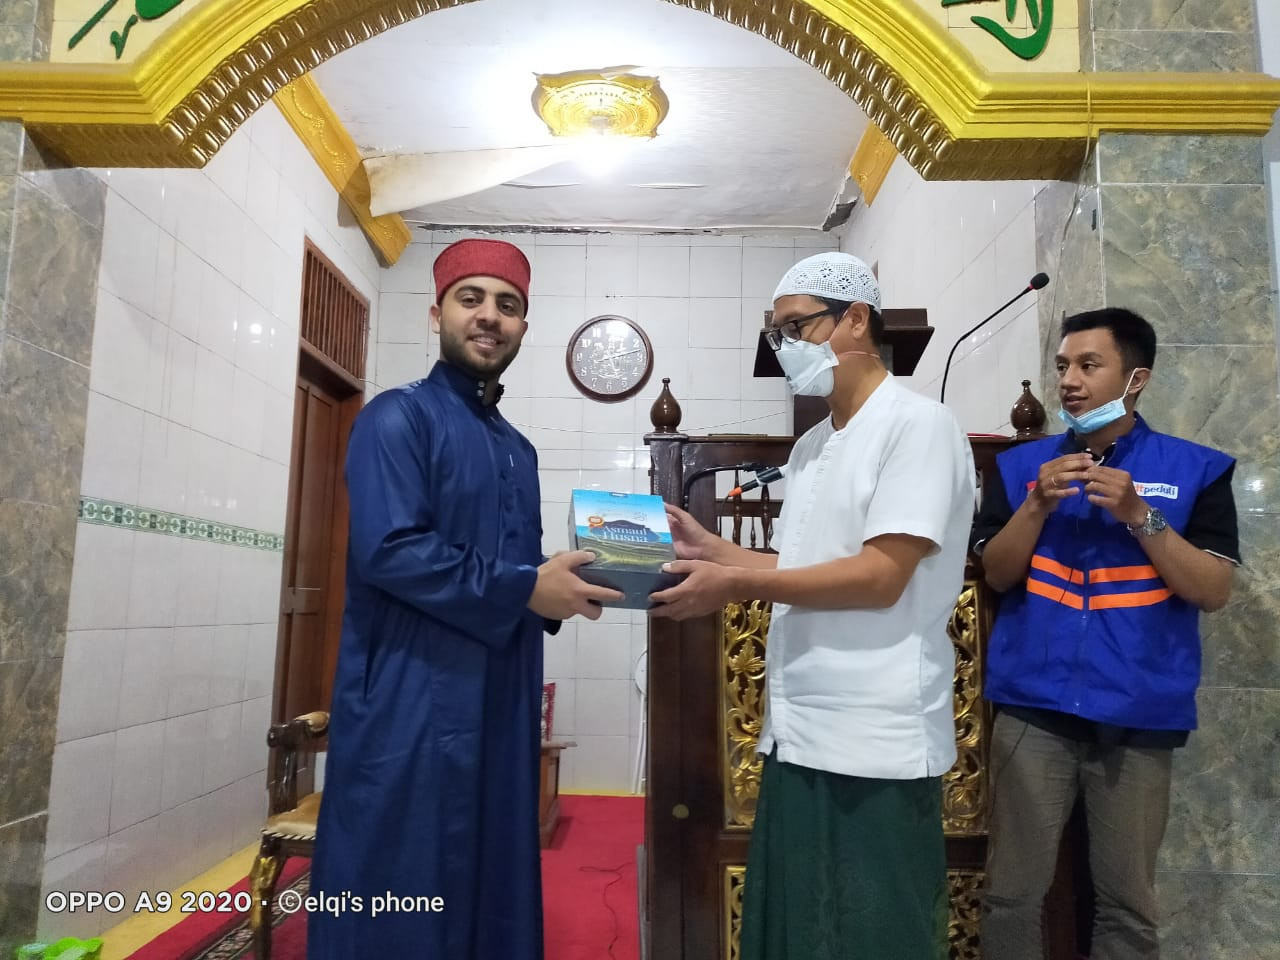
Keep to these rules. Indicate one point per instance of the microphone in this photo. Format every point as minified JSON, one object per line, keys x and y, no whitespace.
{"x":754,"y":467}
{"x":1038,"y":282}
{"x":762,"y":477}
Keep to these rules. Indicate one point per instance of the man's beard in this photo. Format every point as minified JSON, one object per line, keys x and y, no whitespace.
{"x":453,"y":350}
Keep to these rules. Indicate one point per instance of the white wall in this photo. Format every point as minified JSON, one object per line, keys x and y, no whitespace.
{"x":959,"y":249}
{"x":159,"y":768}
{"x":701,"y":299}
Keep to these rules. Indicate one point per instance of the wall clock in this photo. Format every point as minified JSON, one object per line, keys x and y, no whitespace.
{"x":609,"y":358}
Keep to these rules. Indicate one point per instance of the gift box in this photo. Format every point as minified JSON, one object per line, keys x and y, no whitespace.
{"x":630,"y":536}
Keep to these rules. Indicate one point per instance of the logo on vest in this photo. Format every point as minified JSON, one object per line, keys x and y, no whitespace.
{"x":1167,"y":490}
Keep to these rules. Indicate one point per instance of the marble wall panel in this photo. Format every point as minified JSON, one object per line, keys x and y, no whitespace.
{"x":43,"y":400}
{"x":1224,"y":811}
{"x":28,"y":717}
{"x":1241,"y":642}
{"x":37,"y":543}
{"x":22,"y":848}
{"x":1207,"y":917}
{"x":1185,"y":51}
{"x":53,"y":273}
{"x":1194,"y":260}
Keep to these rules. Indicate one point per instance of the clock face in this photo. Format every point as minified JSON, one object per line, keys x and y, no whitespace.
{"x":609,"y":358}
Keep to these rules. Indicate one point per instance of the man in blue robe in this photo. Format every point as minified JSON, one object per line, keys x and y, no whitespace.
{"x":431,"y":786}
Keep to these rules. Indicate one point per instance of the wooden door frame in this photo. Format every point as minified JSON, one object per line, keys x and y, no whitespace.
{"x":314,"y":367}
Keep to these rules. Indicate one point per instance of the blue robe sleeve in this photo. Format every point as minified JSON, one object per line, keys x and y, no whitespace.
{"x":396,"y":544}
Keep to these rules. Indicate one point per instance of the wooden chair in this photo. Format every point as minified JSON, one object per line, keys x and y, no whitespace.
{"x":290,"y":828}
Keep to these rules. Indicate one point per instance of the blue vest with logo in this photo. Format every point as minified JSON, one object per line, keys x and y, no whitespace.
{"x":1093,"y":630}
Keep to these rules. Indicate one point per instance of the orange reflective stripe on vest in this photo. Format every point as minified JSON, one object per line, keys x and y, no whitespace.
{"x":1105,"y":601}
{"x":1058,"y":594}
{"x":1056,"y":569}
{"x":1118,"y":574}
{"x":1142,"y":598}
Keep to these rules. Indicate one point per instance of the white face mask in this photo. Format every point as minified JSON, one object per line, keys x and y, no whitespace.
{"x":809,"y":367}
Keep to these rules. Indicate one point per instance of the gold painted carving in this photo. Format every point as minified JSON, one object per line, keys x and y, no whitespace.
{"x":965,"y":786}
{"x":964,"y":889}
{"x":951,"y":118}
{"x":871,"y":162}
{"x":731,"y":910}
{"x":622,"y":105}
{"x":744,"y":629}
{"x":323,"y":134}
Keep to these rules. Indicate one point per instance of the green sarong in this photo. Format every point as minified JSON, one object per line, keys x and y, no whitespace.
{"x":845,"y":868}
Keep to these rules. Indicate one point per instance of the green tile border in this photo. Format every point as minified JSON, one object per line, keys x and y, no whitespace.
{"x":108,"y":513}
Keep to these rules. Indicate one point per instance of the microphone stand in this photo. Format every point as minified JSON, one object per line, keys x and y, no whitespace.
{"x":1038,"y":282}
{"x":688,"y":481}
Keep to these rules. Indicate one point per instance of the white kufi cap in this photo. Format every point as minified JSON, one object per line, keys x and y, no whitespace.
{"x":833,"y":276}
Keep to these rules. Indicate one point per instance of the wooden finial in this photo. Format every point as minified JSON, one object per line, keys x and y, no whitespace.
{"x":665,"y":412}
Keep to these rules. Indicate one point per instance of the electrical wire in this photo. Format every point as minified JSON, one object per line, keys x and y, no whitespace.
{"x":604,"y":896}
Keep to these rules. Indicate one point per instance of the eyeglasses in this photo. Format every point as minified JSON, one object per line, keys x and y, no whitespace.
{"x":790,"y":331}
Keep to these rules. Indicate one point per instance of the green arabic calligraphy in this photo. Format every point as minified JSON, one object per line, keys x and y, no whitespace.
{"x":143,"y":10}
{"x":1028,"y":47}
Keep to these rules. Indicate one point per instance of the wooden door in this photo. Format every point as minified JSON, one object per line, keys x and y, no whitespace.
{"x":334,"y":326}
{"x":311,"y":595}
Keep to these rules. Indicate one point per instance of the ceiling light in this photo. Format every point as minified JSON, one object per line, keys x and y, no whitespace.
{"x":601,"y":105}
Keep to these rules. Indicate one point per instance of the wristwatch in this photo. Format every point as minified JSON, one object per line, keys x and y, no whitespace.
{"x":1149,"y":527}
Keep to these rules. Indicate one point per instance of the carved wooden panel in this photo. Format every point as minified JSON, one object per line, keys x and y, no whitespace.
{"x":965,"y":787}
{"x":744,"y":628}
{"x":734,"y":877}
{"x":965,"y":889}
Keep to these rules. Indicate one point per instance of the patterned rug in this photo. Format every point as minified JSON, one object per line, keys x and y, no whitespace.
{"x":288,"y":940}
{"x":226,"y":937}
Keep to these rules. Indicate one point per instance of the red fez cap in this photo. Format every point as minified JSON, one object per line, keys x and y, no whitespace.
{"x":481,"y":258}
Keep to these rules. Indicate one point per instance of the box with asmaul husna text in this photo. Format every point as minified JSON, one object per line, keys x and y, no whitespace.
{"x":630,"y":536}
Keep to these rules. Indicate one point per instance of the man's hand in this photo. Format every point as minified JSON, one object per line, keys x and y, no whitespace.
{"x":708,"y":587}
{"x":560,"y":593}
{"x":1057,"y":479}
{"x":691,"y":540}
{"x":1113,"y":490}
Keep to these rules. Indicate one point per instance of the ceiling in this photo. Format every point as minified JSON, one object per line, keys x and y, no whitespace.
{"x":755,"y":138}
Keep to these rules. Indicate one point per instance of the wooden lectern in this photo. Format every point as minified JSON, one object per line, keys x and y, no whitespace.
{"x":706,"y":706}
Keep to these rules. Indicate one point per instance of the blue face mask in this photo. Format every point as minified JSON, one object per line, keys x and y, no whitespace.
{"x":1094,"y":420}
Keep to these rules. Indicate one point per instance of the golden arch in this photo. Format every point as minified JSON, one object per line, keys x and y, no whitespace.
{"x":951,"y":118}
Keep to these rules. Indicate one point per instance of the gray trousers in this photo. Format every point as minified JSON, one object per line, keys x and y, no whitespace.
{"x":1036,"y":778}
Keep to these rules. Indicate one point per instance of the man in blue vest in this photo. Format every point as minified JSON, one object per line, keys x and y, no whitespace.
{"x":1107,"y":542}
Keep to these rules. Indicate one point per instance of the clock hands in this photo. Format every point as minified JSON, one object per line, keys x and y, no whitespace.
{"x":624,"y":353}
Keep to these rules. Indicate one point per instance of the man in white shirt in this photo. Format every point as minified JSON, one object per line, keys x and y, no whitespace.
{"x":846,"y":857}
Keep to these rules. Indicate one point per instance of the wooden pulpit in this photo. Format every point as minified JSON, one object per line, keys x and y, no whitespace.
{"x":706,"y":706}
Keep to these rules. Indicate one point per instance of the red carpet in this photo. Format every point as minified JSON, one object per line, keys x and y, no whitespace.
{"x":588,"y":887}
{"x":211,"y":936}
{"x":589,"y":893}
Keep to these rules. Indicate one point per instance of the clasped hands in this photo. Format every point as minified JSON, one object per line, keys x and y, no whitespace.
{"x":1107,"y":487}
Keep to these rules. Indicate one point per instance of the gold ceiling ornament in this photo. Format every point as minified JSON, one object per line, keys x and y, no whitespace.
{"x":871,"y":162}
{"x":327,"y":140}
{"x":950,"y":117}
{"x":582,"y":103}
